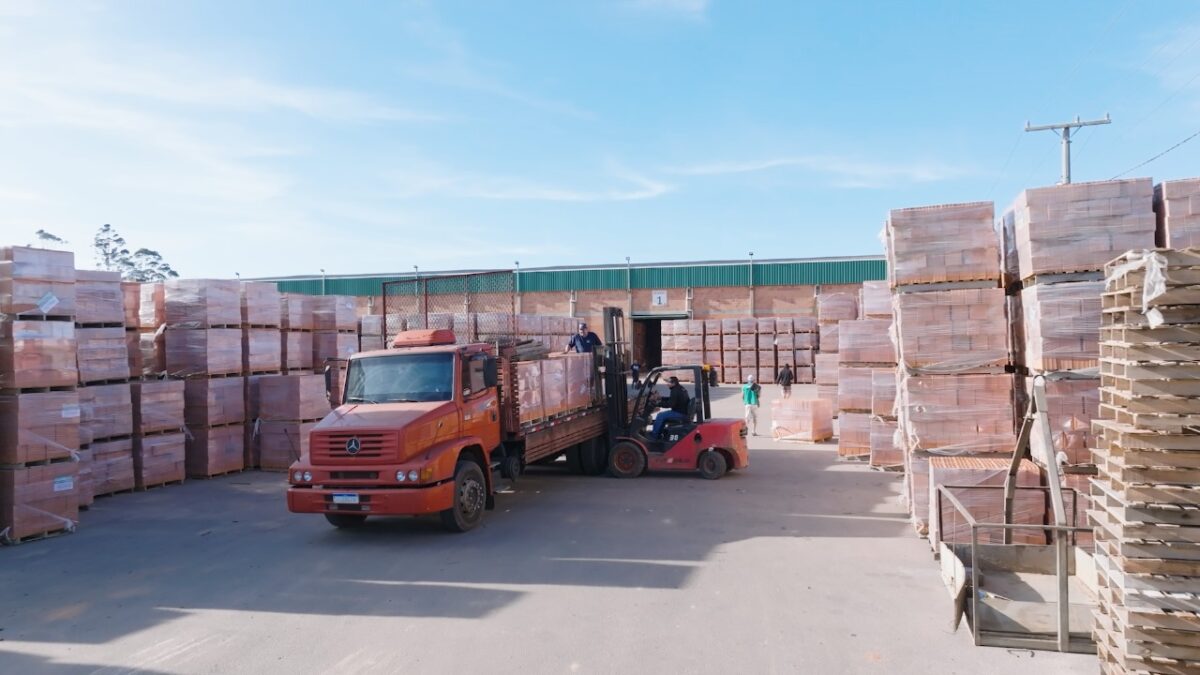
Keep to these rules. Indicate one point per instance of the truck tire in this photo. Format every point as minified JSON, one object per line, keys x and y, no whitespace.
{"x":626,"y":460}
{"x":470,"y":498}
{"x":711,"y":464}
{"x":593,"y":457}
{"x":510,"y":467}
{"x":345,"y":520}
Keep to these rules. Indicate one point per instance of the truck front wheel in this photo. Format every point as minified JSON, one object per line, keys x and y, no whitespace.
{"x":345,"y":520}
{"x":470,"y":498}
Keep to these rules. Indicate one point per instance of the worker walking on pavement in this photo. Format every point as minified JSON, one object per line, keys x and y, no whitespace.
{"x":583,"y":341}
{"x":750,"y":392}
{"x":784,"y":380}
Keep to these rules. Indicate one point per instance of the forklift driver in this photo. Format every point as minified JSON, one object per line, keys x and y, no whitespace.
{"x":676,"y":405}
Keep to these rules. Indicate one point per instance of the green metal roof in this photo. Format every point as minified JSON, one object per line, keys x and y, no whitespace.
{"x":766,"y":273}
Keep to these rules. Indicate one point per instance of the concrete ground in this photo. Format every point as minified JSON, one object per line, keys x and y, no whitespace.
{"x":800,"y":564}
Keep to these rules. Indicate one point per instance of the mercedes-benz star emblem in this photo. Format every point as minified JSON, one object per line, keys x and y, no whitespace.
{"x":353,"y":446}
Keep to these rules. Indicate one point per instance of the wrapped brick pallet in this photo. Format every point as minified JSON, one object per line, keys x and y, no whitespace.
{"x":1177,"y":207}
{"x":37,"y":281}
{"x":288,"y":406}
{"x":801,"y":420}
{"x":159,"y":440}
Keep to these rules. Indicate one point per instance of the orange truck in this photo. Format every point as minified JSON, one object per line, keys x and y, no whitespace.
{"x":423,"y":424}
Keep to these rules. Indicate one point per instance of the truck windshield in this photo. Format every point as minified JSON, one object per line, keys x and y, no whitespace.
{"x":403,"y":377}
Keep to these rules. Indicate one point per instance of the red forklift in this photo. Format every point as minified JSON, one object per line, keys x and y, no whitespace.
{"x":712,"y":447}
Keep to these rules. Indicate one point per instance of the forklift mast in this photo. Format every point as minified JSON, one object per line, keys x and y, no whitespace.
{"x":616,"y":391}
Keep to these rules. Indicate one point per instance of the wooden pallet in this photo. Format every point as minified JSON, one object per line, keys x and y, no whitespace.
{"x":1135,"y":335}
{"x":1133,"y":317}
{"x":1162,"y":351}
{"x":37,"y":536}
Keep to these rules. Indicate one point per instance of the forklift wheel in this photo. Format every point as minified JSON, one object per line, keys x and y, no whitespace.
{"x":711,"y":464}
{"x":626,"y":460}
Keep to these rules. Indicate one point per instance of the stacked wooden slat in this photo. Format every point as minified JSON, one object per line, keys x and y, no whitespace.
{"x":203,"y":344}
{"x":1146,"y":498}
{"x":1177,"y":207}
{"x":288,"y":406}
{"x":865,"y":350}
{"x":954,"y":396}
{"x":335,"y":321}
{"x":39,"y":401}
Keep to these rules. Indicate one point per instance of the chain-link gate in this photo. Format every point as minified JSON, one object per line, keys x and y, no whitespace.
{"x":477,"y":307}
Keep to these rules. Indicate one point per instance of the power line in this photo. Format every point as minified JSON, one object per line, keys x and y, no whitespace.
{"x":1135,"y":168}
{"x":1004,"y":169}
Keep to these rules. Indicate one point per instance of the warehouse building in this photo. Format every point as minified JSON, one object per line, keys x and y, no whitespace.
{"x":649,"y":293}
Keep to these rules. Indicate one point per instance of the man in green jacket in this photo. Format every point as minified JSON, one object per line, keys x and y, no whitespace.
{"x":750,"y":392}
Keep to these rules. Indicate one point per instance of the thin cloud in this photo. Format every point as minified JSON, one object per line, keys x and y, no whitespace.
{"x":843,"y":171}
{"x":432,"y":183}
{"x":695,"y":9}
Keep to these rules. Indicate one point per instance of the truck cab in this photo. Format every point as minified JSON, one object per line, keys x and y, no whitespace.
{"x":415,"y":434}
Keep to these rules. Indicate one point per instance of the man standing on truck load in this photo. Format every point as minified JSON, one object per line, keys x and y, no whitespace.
{"x":676,"y":404}
{"x":583,"y":341}
{"x":750,"y":392}
{"x":784,"y":380}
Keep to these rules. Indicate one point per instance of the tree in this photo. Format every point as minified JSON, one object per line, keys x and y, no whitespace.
{"x":46,"y":238}
{"x":111,"y":253}
{"x":141,"y":265}
{"x":148,"y":265}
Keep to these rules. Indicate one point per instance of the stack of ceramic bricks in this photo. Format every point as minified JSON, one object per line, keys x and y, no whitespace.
{"x":955,"y":396}
{"x":287,"y":408}
{"x":335,"y":321}
{"x":1177,"y":207}
{"x":865,"y":350}
{"x":39,"y":402}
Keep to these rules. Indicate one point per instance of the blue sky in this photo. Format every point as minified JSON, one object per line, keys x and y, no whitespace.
{"x":273,"y":138}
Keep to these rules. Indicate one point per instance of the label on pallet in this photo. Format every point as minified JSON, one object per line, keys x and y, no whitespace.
{"x":64,"y":484}
{"x":47,"y":302}
{"x":70,"y":411}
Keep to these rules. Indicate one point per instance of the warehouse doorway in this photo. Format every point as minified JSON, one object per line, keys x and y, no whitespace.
{"x":646,"y":338}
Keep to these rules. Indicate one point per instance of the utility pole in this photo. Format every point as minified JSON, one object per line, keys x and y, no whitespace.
{"x":1064,"y":128}
{"x":517,"y":279}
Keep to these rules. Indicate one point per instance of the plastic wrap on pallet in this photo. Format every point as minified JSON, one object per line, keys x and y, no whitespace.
{"x":883,"y":392}
{"x":935,"y":244}
{"x":112,"y":466}
{"x":712,"y":326}
{"x":731,"y":343}
{"x":669,"y":342}
{"x":554,"y":386}
{"x":38,"y":426}
{"x":784,"y":325}
{"x":152,"y":311}
{"x":36,"y":281}
{"x":158,"y":406}
{"x":147,"y":353}
{"x":691,"y":343}
{"x":801,"y":419}
{"x":953,"y":331}
{"x":296,"y":351}
{"x":804,"y":324}
{"x":957,"y":414}
{"x":885,"y":451}
{"x":261,"y":304}
{"x":131,"y":297}
{"x":854,"y":434}
{"x":579,"y":381}
{"x":730,"y":374}
{"x":214,"y":402}
{"x":261,"y":350}
{"x":38,"y":500}
{"x":282,"y":442}
{"x":875,"y":300}
{"x":856,"y":388}
{"x":1062,"y":325}
{"x":296,"y":311}
{"x":765,"y":326}
{"x":866,"y":341}
{"x":833,"y":307}
{"x":159,"y":459}
{"x":916,"y":490}
{"x":202,"y":303}
{"x":37,"y":354}
{"x":327,"y":345}
{"x":748,"y":359}
{"x":1177,"y":208}
{"x":101,"y":354}
{"x":84,"y":490}
{"x":370,"y":343}
{"x":1081,"y":226}
{"x":747,"y":325}
{"x":766,"y":359}
{"x":828,"y":340}
{"x":339,"y":312}
{"x":695,"y":327}
{"x":712,"y":343}
{"x":729,"y":326}
{"x":784,"y":342}
{"x":801,"y":357}
{"x":985,"y":505}
{"x":292,"y":397}
{"x":370,"y":324}
{"x":105,"y":411}
{"x":99,"y":297}
{"x":214,"y":450}
{"x":203,"y":351}
{"x":1071,"y":405}
{"x":529,"y":390}
{"x":808,"y":341}
{"x":827,"y":369}
{"x":337,"y":381}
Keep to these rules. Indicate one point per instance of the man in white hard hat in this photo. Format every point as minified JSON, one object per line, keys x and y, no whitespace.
{"x":750,"y":392}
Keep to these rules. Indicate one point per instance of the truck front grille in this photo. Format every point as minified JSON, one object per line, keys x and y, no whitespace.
{"x":371,"y":445}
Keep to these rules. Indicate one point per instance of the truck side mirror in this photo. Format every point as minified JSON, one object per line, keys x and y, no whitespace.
{"x":328,"y":382}
{"x":491,"y":374}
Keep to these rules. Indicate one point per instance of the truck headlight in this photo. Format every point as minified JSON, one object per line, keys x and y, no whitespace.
{"x":400,"y":476}
{"x":298,"y":476}
{"x":307,"y":476}
{"x":413,"y":475}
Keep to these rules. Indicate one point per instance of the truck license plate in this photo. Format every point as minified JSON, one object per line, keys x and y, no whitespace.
{"x":345,"y":499}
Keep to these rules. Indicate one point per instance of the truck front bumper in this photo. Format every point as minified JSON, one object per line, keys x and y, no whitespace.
{"x":372,"y":501}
